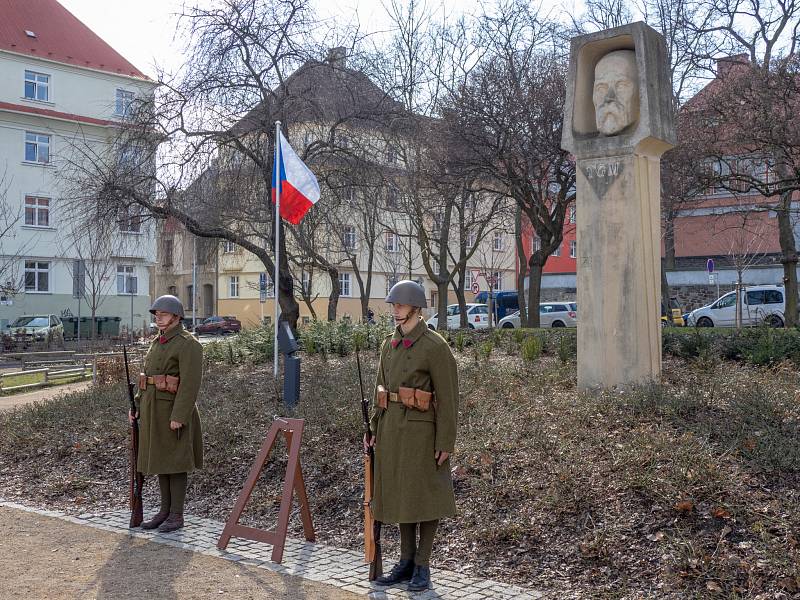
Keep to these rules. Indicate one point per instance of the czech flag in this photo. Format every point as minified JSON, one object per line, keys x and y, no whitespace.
{"x":298,"y":186}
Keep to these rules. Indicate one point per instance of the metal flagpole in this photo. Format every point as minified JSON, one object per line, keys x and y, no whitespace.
{"x":275,"y":287}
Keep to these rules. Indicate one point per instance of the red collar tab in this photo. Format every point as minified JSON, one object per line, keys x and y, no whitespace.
{"x":406,"y":343}
{"x":162,"y":339}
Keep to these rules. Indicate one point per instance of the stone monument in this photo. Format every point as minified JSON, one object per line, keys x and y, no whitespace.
{"x":618,"y":121}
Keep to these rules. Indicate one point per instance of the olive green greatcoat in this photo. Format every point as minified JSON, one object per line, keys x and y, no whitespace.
{"x":409,"y":487}
{"x":161,"y":451}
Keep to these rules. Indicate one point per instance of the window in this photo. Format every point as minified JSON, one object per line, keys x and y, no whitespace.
{"x":130,"y":220}
{"x":572,"y":215}
{"x":773,"y":297}
{"x":468,"y":280}
{"x":392,"y":242}
{"x":305,"y":283}
{"x":573,"y":249}
{"x":498,"y":281}
{"x":392,"y":198}
{"x":228,"y":247}
{"x":391,"y":154}
{"x":37,"y":86}
{"x":233,"y":286}
{"x":478,"y":310}
{"x":37,"y":276}
{"x":344,"y":284}
{"x":557,"y":251}
{"x":453,"y":310}
{"x":265,"y":285}
{"x":497,"y":242}
{"x":438,"y":220}
{"x":726,"y":301}
{"x":37,"y":211}
{"x":536,"y":244}
{"x":166,"y":249}
{"x":124,"y":103}
{"x":471,"y":239}
{"x":127,"y":282}
{"x":37,"y":147}
{"x":349,"y":237}
{"x":190,"y":297}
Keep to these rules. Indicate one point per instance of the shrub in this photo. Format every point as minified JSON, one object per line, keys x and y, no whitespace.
{"x":531,"y":348}
{"x":459,"y":341}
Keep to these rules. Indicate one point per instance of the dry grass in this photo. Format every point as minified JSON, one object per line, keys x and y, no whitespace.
{"x":687,"y":489}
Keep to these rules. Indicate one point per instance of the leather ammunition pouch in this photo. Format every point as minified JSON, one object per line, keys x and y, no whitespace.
{"x":163,"y":383}
{"x":409,"y":397}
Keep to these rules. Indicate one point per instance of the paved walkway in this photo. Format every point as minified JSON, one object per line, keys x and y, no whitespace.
{"x":337,"y":567}
{"x":42,"y":394}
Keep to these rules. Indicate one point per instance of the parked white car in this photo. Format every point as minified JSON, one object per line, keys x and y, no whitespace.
{"x":477,"y":317}
{"x":761,"y":304}
{"x":551,"y":314}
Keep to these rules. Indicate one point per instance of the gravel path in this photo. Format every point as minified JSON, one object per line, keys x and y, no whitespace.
{"x":52,"y":559}
{"x":42,"y":394}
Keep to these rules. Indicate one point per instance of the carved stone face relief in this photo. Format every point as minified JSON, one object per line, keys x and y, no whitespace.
{"x":616,"y":91}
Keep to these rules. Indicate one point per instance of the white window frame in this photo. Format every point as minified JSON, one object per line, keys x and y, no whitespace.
{"x":498,"y":281}
{"x":36,"y":79}
{"x":468,"y":280}
{"x":126,"y":273}
{"x":345,"y":290}
{"x":37,"y":269}
{"x":573,"y":249}
{"x":349,"y":237}
{"x":557,"y":251}
{"x":36,"y":206}
{"x":123,"y":101}
{"x":392,"y":197}
{"x":471,"y":240}
{"x":233,"y":286}
{"x":38,"y":141}
{"x":133,"y":214}
{"x":536,"y":243}
{"x":572,"y":214}
{"x":228,"y":247}
{"x":498,"y":241}
{"x":390,"y":281}
{"x":392,"y":242}
{"x":305,"y":283}
{"x":265,"y":280}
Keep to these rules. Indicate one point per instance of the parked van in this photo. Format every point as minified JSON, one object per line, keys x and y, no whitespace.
{"x":761,"y":304}
{"x":503,"y":303}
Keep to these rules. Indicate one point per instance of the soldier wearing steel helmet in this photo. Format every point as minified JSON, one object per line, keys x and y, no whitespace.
{"x":414,"y":420}
{"x":171,"y":439}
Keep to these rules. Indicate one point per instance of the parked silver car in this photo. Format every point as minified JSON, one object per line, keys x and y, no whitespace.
{"x":39,"y":328}
{"x":551,"y":314}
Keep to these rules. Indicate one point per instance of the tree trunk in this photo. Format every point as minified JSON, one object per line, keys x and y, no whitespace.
{"x":789,"y":258}
{"x":665,"y":297}
{"x":669,"y":242}
{"x":333,"y":299}
{"x":534,"y":292}
{"x":522,"y":262}
{"x":441,"y":310}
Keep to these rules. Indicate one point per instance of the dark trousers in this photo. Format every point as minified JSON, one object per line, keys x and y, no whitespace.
{"x":173,"y":492}
{"x":420,"y":550}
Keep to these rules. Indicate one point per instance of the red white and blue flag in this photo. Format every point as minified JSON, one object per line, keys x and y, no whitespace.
{"x":298,"y":186}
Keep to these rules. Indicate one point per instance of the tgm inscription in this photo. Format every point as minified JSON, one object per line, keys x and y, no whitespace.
{"x":602,"y":170}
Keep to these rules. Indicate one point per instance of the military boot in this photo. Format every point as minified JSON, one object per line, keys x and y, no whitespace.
{"x":421,"y":579}
{"x":173,"y":523}
{"x":157,"y":520}
{"x":402,"y":571}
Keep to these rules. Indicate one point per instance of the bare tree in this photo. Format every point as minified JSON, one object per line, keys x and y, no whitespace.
{"x":745,"y":120}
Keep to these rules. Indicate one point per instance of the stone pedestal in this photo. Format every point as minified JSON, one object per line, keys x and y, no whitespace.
{"x":618,"y":202}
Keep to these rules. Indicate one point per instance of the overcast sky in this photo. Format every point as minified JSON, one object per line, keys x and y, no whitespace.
{"x":142,"y":30}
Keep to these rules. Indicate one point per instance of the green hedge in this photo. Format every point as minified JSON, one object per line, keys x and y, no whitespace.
{"x":757,"y":345}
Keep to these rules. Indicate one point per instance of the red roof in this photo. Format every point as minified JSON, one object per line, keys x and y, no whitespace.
{"x":59,"y":36}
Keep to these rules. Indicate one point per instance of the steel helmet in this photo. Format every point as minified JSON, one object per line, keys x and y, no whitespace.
{"x":407,"y":292}
{"x":168,"y":303}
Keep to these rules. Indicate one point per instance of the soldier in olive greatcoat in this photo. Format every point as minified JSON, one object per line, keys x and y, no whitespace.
{"x":170,"y":438}
{"x":414,"y":421}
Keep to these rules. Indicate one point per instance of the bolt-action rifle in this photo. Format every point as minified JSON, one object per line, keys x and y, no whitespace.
{"x":135,"y":477}
{"x":372,"y":528}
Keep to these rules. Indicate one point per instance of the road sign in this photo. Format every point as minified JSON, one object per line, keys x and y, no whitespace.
{"x":710,"y":265}
{"x":476,"y":288}
{"x":712,"y":278}
{"x":262,"y":296}
{"x":78,"y":278}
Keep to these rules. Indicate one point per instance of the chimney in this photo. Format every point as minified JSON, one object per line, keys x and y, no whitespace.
{"x":725,"y":64}
{"x":337,"y":57}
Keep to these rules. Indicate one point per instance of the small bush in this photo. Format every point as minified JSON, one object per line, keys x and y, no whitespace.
{"x":531,"y":348}
{"x":459,"y":341}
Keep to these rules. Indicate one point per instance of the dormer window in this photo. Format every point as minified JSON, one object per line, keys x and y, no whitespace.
{"x":124,"y":103}
{"x":30,"y":33}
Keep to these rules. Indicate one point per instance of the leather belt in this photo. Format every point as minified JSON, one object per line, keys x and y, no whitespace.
{"x":394,"y":397}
